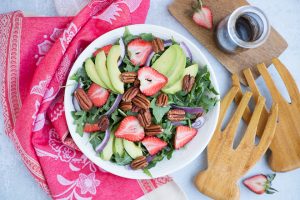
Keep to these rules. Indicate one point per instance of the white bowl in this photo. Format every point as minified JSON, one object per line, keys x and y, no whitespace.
{"x":181,"y":157}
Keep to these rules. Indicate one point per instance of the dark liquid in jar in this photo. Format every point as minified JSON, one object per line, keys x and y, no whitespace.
{"x":249,"y":27}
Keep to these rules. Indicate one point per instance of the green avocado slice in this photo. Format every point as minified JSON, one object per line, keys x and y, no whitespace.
{"x":191,"y":70}
{"x":113,"y":69}
{"x":176,"y":72}
{"x":92,"y":74}
{"x":166,"y":61}
{"x":132,"y":149}
{"x":107,"y":152}
{"x":100,"y":64}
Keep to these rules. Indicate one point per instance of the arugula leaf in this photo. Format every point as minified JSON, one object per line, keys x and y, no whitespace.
{"x":122,"y":160}
{"x":146,"y":36}
{"x":147,"y":172}
{"x":96,"y":138}
{"x":167,"y":134}
{"x":155,"y":57}
{"x":79,"y":120}
{"x":127,"y":36}
{"x":115,"y":117}
{"x":158,"y":112}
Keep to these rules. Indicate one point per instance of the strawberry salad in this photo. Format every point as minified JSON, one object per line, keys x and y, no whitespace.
{"x":140,"y":99}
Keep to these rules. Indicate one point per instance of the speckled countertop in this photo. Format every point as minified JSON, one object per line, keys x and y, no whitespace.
{"x":16,"y":182}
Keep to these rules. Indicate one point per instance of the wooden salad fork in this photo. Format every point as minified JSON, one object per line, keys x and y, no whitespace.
{"x":285,"y":147}
{"x":227,"y":165}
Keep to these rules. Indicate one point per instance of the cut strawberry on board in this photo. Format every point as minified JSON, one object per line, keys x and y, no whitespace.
{"x":202,"y":15}
{"x":98,"y":94}
{"x":105,"y":49}
{"x":130,"y":129}
{"x":138,"y":51}
{"x":260,"y":183}
{"x":151,"y":81}
{"x":183,"y":135}
{"x":153,"y":144}
{"x":89,"y":128}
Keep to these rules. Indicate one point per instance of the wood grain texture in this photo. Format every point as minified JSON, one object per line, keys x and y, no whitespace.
{"x":236,"y":63}
{"x":227,"y":165}
{"x":285,"y":147}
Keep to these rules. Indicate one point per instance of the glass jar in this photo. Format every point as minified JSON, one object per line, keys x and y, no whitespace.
{"x":246,"y":28}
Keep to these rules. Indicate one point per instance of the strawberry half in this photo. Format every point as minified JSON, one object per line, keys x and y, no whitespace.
{"x":138,"y":51}
{"x":151,"y":81}
{"x":89,"y":128}
{"x":130,"y":129}
{"x":98,"y":94}
{"x":183,"y":135}
{"x":260,"y":183}
{"x":153,"y":144}
{"x":202,"y":15}
{"x":106,"y":49}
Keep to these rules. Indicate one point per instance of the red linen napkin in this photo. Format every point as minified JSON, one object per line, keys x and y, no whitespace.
{"x":36,"y":54}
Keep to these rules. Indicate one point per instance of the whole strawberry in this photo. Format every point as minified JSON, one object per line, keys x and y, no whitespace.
{"x":260,"y":183}
{"x":202,"y":15}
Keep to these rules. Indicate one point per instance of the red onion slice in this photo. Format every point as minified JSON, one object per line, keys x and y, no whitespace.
{"x":102,"y":145}
{"x":122,"y":46}
{"x":76,"y":104}
{"x":168,"y":43}
{"x":148,"y":62}
{"x":199,"y":122}
{"x":191,"y":110}
{"x":187,"y":51}
{"x":115,"y":105}
{"x":74,"y":100}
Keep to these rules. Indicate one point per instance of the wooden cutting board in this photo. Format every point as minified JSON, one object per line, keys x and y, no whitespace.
{"x":273,"y":47}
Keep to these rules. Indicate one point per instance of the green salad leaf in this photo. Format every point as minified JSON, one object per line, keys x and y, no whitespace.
{"x":79,"y":120}
{"x":122,"y":160}
{"x":157,"y":111}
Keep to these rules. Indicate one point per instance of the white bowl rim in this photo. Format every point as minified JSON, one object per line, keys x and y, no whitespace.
{"x":121,"y":171}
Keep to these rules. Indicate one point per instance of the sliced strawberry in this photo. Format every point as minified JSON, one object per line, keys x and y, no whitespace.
{"x":151,"y":81}
{"x":138,"y":51}
{"x":203,"y":16}
{"x":130,"y":129}
{"x":98,"y":95}
{"x":89,"y":128}
{"x":105,"y":49}
{"x":153,"y":144}
{"x":260,"y":183}
{"x":183,"y":135}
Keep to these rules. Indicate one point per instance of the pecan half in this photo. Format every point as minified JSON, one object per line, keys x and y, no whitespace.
{"x":103,"y":123}
{"x":125,"y":106}
{"x":83,"y":100}
{"x":144,"y":117}
{"x":158,"y":45}
{"x":136,"y":83}
{"x":141,"y":101}
{"x":139,"y":163}
{"x":188,"y":82}
{"x":128,"y":77}
{"x":135,"y":108}
{"x":176,"y":115}
{"x":162,"y":100}
{"x":153,"y":129}
{"x":130,"y":94}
